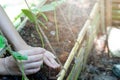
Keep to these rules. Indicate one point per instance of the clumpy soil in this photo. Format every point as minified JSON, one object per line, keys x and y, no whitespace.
{"x":71,"y":17}
{"x":100,"y":63}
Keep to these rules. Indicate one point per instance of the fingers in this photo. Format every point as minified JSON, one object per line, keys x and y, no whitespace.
{"x":33,"y":58}
{"x":32,"y":71}
{"x":33,"y":51}
{"x":54,"y":63}
{"x":49,"y":60}
{"x":36,"y":56}
{"x":33,"y":65}
{"x":51,"y":63}
{"x":49,"y":54}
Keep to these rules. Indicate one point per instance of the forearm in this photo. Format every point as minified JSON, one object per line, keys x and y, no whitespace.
{"x":9,"y":31}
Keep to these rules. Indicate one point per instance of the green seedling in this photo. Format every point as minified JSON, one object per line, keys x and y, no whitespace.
{"x":31,"y":14}
{"x":2,"y":41}
{"x":32,"y":17}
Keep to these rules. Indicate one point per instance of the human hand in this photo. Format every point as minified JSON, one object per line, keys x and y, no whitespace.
{"x":32,"y":65}
{"x":48,"y":58}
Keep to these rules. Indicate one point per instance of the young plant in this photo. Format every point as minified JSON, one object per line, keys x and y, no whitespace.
{"x":31,"y":14}
{"x":33,"y":18}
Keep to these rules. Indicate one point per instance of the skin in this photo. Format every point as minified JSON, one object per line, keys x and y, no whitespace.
{"x":36,"y":55}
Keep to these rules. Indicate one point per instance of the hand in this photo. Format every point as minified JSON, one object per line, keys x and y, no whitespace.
{"x":32,"y":65}
{"x":48,"y":58}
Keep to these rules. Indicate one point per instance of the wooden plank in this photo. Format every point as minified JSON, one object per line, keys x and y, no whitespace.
{"x":94,"y":11}
{"x":78,"y":42}
{"x":116,"y":22}
{"x":93,"y":29}
{"x":77,"y":67}
{"x":102,"y":12}
{"x":74,"y":50}
{"x":116,"y":6}
{"x":116,"y":13}
{"x":116,"y":17}
{"x":108,"y":11}
{"x":115,"y":1}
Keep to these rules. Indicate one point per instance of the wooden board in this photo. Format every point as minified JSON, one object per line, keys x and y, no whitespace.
{"x":116,"y":6}
{"x":116,"y":13}
{"x":81,"y":35}
{"x":108,"y":11}
{"x":102,"y":12}
{"x":115,"y":1}
{"x":116,"y":22}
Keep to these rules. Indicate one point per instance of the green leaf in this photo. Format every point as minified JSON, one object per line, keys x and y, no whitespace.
{"x":30,"y":15}
{"x":2,"y":41}
{"x":19,"y":56}
{"x":51,"y":6}
{"x":47,"y":7}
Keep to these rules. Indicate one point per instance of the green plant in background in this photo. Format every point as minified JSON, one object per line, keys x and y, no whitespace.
{"x":32,"y":17}
{"x":31,"y":14}
{"x":52,"y":7}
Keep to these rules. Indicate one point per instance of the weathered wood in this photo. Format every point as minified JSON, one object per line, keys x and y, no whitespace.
{"x":116,"y":6}
{"x":74,"y":50}
{"x":115,"y":1}
{"x":94,"y":11}
{"x":116,"y":13}
{"x":116,"y":17}
{"x":108,"y":9}
{"x":102,"y":12}
{"x":116,"y":22}
{"x":77,"y":67}
{"x":79,"y":40}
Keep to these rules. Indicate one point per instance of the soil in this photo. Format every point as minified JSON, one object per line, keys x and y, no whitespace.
{"x":71,"y":17}
{"x":99,"y":66}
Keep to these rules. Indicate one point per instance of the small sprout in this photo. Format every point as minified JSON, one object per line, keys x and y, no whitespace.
{"x":2,"y":42}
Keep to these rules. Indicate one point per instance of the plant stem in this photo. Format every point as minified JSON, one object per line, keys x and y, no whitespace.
{"x":46,"y":39}
{"x":18,"y":64}
{"x":41,"y":38}
{"x":56,"y":26}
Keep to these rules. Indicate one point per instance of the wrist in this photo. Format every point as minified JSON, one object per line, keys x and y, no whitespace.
{"x":22,"y":47}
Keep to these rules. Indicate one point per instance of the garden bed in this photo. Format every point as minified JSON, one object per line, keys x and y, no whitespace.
{"x":70,"y":20}
{"x":69,"y":25}
{"x":68,"y":31}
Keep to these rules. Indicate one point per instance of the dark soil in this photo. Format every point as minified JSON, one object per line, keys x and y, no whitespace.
{"x":100,"y":64}
{"x":70,"y":20}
